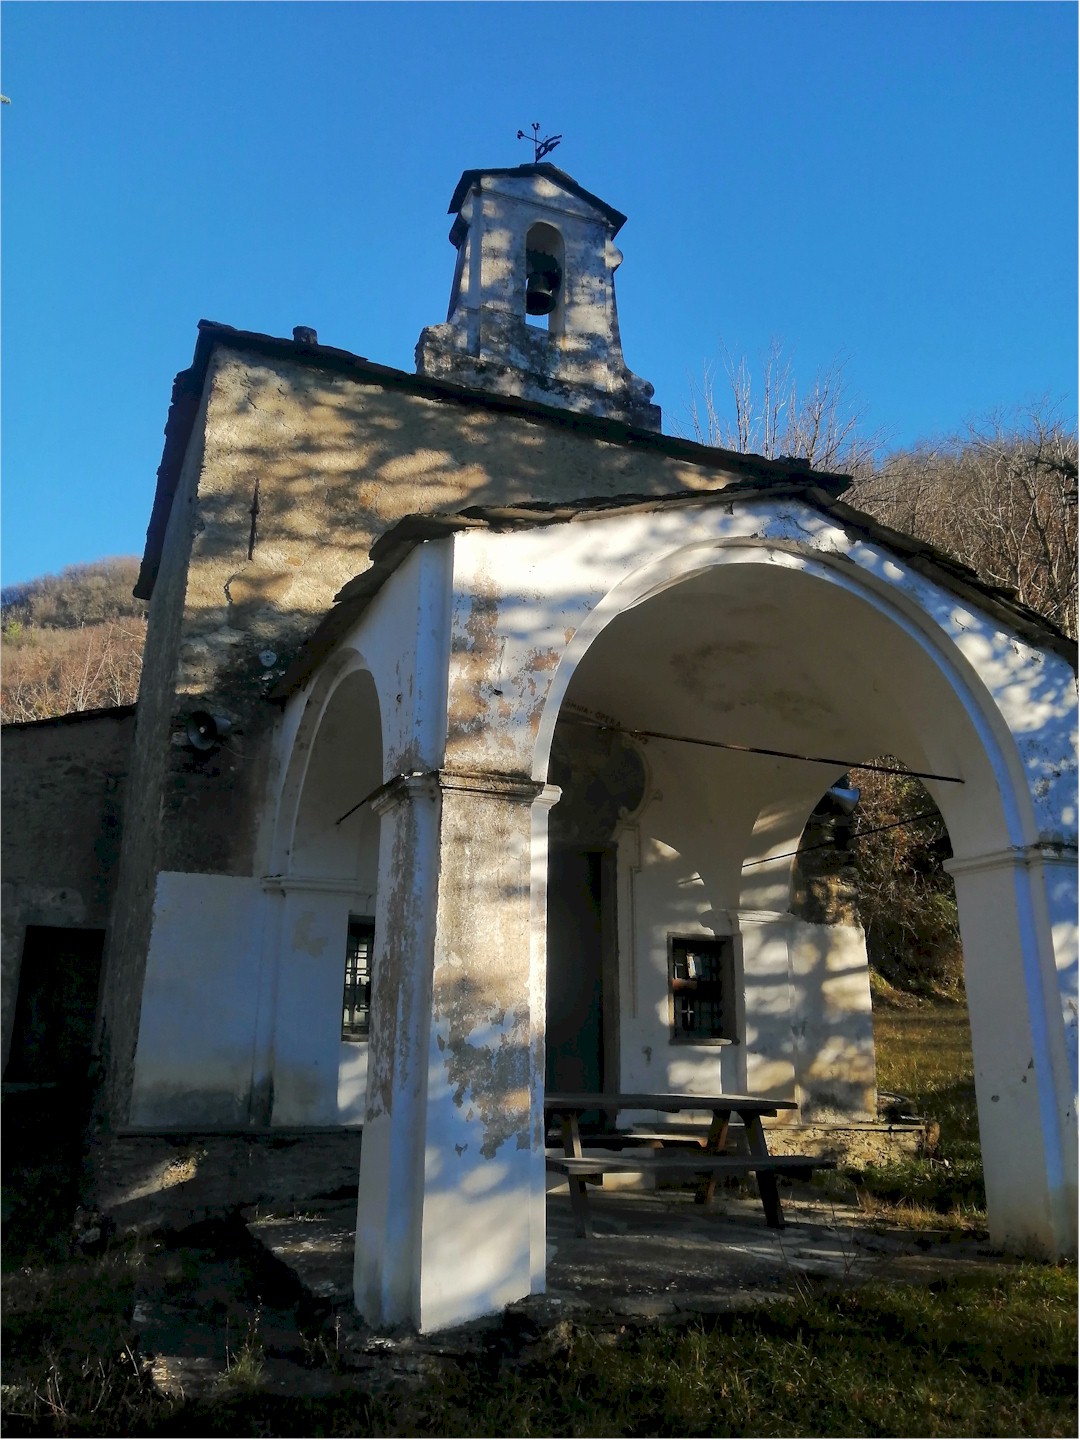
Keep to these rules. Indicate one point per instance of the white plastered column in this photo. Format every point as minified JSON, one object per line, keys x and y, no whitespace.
{"x":1025,"y":1075}
{"x":450,"y":1220}
{"x":314,"y":916}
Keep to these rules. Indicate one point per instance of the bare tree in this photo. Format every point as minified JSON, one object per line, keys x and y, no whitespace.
{"x":1001,"y":497}
{"x":905,"y":899}
{"x":764,"y":413}
{"x":50,"y":672}
{"x":72,"y":641}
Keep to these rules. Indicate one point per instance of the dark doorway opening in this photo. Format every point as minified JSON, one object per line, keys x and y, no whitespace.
{"x":56,"y":1006}
{"x":47,"y":1094}
{"x":581,"y":991}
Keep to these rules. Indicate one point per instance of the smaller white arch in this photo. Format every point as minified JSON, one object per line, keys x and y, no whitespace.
{"x":300,"y":741}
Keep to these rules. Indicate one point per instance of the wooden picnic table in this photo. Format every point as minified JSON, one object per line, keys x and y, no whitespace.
{"x":708,"y":1163}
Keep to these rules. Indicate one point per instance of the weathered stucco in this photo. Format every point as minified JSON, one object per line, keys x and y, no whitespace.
{"x":448,"y":1210}
{"x":745,"y":620}
{"x":573,"y":358}
{"x":823,"y":645}
{"x":326,"y":461}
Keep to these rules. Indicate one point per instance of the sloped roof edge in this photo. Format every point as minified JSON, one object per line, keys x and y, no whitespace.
{"x":73,"y":717}
{"x":188,"y":387}
{"x":395,"y":544}
{"x":550,"y":172}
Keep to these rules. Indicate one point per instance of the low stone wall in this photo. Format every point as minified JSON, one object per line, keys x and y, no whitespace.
{"x":155,"y":1181}
{"x":854,"y":1145}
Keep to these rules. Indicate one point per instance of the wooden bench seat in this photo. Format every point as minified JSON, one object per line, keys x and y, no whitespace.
{"x":590,"y":1170}
{"x":642,"y":1160}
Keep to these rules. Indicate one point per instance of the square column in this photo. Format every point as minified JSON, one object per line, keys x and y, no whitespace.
{"x":452,"y":1165}
{"x":1022,"y":1007}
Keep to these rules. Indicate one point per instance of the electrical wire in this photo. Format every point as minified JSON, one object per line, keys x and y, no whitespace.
{"x":761,"y":750}
{"x":857,"y":835}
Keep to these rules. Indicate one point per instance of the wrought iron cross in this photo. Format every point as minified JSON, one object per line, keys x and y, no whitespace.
{"x":540,"y":147}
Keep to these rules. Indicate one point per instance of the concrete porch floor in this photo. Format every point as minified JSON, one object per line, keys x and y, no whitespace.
{"x":657,"y":1253}
{"x":655,"y":1258}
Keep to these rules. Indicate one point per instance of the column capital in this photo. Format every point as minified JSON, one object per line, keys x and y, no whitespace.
{"x":1041,"y":852}
{"x":418,"y":785}
{"x":492,"y":782}
{"x":426,"y":784}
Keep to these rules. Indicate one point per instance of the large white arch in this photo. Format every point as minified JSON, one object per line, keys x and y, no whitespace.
{"x":683,"y":562}
{"x":1016,"y":1008}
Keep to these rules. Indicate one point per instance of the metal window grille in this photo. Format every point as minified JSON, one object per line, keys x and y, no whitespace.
{"x":357,"y":1002}
{"x":703,"y":989}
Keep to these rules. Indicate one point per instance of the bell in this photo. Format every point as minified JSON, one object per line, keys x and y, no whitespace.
{"x":539,"y":295}
{"x":542,"y":277}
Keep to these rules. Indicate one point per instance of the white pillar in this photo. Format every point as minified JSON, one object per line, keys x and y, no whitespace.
{"x":310,"y":972}
{"x":452,"y":1164}
{"x":1019,"y":1004}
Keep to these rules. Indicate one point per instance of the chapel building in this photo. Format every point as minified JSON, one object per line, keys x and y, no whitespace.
{"x":480,"y":727}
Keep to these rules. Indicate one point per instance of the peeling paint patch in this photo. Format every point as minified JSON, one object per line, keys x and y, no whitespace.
{"x":481,"y":987}
{"x":304,"y":936}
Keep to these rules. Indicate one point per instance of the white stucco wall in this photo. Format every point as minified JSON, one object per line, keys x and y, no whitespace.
{"x":805,"y":1024}
{"x":200,"y":1010}
{"x":846,"y":649}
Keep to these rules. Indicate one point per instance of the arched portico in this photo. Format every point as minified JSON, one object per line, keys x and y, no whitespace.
{"x":747,"y":622}
{"x":859,"y":673}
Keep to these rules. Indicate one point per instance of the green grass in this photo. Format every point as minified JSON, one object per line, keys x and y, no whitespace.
{"x":924,"y":1053}
{"x":984,"y":1355}
{"x":981,"y":1354}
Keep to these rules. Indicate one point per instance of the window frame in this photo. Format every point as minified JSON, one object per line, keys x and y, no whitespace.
{"x":723,"y":990}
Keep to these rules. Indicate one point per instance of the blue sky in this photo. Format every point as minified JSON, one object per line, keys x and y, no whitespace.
{"x":897,"y":183}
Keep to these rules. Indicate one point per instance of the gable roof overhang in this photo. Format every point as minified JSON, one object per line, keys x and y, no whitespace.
{"x":394,"y":546}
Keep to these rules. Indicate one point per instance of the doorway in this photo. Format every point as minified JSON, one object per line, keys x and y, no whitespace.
{"x":56,"y":1006}
{"x":582,"y":990}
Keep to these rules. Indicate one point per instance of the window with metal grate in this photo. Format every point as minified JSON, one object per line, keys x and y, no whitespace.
{"x":357,"y":1001}
{"x":702,"y":979}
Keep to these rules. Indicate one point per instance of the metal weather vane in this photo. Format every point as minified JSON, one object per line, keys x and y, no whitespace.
{"x":540,"y":147}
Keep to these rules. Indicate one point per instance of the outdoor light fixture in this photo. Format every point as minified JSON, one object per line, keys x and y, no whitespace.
{"x":844,"y":798}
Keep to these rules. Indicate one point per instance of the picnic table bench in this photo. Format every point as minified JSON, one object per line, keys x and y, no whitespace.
{"x":712,"y":1160}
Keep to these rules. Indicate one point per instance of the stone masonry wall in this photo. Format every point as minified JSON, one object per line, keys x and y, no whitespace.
{"x":129,"y":937}
{"x":63,"y":784}
{"x":328,"y":463}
